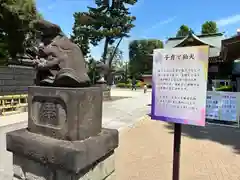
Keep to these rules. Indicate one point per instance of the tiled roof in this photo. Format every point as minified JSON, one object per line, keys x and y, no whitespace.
{"x":213,"y":40}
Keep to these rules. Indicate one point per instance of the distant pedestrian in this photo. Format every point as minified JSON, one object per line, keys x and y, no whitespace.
{"x":134,"y":84}
{"x":145,"y":88}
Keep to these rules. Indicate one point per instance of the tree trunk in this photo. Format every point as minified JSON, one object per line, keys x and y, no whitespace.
{"x":104,"y":56}
{"x":114,"y":52}
{"x":109,"y":74}
{"x":109,"y":78}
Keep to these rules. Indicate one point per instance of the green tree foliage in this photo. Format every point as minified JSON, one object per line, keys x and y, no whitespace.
{"x":3,"y":48}
{"x":110,"y":20}
{"x":92,"y":71}
{"x":209,"y":27}
{"x":183,"y":31}
{"x":15,"y":18}
{"x":140,"y":55}
{"x":80,"y":36}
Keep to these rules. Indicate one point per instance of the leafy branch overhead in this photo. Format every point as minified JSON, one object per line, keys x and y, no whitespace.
{"x":140,"y":55}
{"x":209,"y":27}
{"x":108,"y":21}
{"x":15,"y":20}
{"x":183,"y":31}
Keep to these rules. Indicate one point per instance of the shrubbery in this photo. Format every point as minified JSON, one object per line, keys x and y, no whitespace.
{"x":139,"y":84}
{"x":121,"y":85}
{"x":149,"y":86}
{"x":125,"y":85}
{"x":224,"y":88}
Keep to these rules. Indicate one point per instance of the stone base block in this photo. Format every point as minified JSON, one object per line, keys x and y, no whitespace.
{"x":37,"y":157}
{"x":107,"y":95}
{"x":102,"y":170}
{"x":103,"y":86}
{"x":105,"y":90}
{"x":31,"y":170}
{"x":65,"y":113}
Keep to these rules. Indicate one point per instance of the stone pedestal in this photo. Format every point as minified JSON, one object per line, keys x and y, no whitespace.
{"x":105,"y":90}
{"x":65,"y":113}
{"x":64,"y":141}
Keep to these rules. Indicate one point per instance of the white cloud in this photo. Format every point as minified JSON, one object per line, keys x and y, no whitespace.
{"x":228,"y":20}
{"x":50,"y":7}
{"x":169,"y":20}
{"x":157,"y":25}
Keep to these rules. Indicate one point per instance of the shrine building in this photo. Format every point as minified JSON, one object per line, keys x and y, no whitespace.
{"x":231,"y":53}
{"x":219,"y":69}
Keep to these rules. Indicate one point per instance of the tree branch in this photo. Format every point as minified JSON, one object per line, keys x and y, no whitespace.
{"x":114,"y":52}
{"x":105,"y":50}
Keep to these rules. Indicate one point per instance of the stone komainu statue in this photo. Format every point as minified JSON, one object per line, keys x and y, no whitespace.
{"x":60,"y":62}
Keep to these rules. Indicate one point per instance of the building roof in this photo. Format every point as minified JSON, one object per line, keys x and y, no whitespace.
{"x":213,"y":40}
{"x":230,"y":48}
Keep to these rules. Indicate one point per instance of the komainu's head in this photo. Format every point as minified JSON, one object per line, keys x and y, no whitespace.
{"x":46,"y":28}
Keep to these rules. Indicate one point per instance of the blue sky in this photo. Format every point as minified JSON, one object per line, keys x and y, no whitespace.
{"x":155,"y":18}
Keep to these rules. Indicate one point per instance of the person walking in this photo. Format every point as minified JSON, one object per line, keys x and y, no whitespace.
{"x":145,"y":88}
{"x":134,"y":84}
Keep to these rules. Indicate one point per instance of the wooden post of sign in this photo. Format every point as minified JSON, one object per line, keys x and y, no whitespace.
{"x":176,"y":151}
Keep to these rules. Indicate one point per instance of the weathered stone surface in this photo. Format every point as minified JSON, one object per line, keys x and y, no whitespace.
{"x":24,"y":168}
{"x":73,"y":156}
{"x":98,"y":171}
{"x":103,"y":86}
{"x":107,"y":95}
{"x":60,"y":62}
{"x":101,"y":170}
{"x":106,"y":91}
{"x":28,"y":169}
{"x":65,"y":113}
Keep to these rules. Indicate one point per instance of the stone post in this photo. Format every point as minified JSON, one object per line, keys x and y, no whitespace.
{"x":64,"y":139}
{"x":105,"y":89}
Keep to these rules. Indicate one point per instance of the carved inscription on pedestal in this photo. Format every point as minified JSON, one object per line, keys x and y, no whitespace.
{"x":48,"y":111}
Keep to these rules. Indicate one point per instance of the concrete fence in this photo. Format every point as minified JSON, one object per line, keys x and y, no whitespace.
{"x":15,"y":79}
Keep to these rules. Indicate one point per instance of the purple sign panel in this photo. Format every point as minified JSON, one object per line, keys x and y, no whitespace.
{"x":179,"y":84}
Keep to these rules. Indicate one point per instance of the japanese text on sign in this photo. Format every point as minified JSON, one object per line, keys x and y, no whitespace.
{"x":179,"y":87}
{"x":221,"y":106}
{"x":179,"y":56}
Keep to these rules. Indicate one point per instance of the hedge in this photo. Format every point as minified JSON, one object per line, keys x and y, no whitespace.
{"x":127,"y":85}
{"x":224,"y":88}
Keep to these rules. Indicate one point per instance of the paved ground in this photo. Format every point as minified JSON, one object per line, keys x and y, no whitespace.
{"x":125,"y":112}
{"x":116,"y":114}
{"x":145,"y":152}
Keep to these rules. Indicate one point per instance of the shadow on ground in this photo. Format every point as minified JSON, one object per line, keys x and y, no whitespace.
{"x":223,"y":135}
